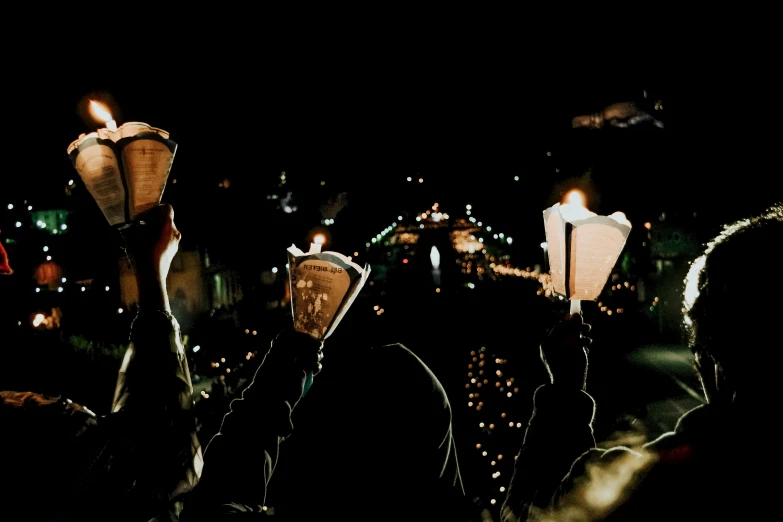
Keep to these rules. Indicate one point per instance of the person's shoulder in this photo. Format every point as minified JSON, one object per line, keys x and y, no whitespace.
{"x":399,"y":356}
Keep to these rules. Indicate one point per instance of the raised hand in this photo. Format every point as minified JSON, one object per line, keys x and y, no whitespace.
{"x":564,"y":352}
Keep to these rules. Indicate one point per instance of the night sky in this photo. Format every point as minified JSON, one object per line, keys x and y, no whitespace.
{"x":465,"y":123}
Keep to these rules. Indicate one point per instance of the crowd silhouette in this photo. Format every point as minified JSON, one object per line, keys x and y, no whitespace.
{"x":360,"y":447}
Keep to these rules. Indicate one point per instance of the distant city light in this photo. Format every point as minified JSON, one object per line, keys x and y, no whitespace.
{"x":274,"y":269}
{"x":70,"y":182}
{"x":516,"y":178}
{"x":63,"y":280}
{"x":64,"y":226}
{"x":196,"y":348}
{"x":421,"y":180}
{"x":37,"y":290}
{"x":59,"y":288}
{"x":48,"y":258}
{"x":409,"y":178}
{"x":544,"y":245}
{"x":83,"y":289}
{"x":10,"y":206}
{"x":39,"y":318}
{"x":29,"y":207}
{"x":107,"y":288}
{"x":18,"y":224}
{"x":46,"y":249}
{"x":508,"y":240}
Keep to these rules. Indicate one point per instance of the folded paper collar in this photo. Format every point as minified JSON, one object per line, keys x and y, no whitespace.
{"x":126,"y":130}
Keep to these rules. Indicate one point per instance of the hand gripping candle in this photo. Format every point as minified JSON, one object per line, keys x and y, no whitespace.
{"x":323,"y":285}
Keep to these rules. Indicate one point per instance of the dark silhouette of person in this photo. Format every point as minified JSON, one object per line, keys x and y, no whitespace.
{"x":384,"y":453}
{"x":62,"y":462}
{"x":240,"y":459}
{"x":373,"y":442}
{"x":720,"y":461}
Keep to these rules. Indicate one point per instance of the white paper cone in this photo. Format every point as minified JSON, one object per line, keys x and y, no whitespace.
{"x":323,"y":286}
{"x":125,"y":170}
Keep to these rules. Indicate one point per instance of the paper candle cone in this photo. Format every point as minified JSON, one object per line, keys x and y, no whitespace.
{"x":125,"y":170}
{"x":583,"y":249}
{"x":323,"y":286}
{"x":5,"y":267}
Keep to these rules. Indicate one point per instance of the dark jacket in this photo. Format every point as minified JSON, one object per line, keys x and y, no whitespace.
{"x":241,"y":458}
{"x":62,"y":462}
{"x":369,"y":445}
{"x":373,"y":442}
{"x":713,"y":466}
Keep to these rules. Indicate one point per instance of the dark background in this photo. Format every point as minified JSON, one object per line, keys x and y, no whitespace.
{"x":466,"y":113}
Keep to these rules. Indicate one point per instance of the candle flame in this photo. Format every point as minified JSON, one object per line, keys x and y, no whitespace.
{"x":319,"y":239}
{"x":100,"y":112}
{"x":576,"y":198}
{"x":620,"y":218}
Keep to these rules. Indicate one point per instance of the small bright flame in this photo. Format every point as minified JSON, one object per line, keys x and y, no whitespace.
{"x":620,"y":218}
{"x":100,"y":112}
{"x":39,"y":318}
{"x":319,"y":239}
{"x":575,"y":197}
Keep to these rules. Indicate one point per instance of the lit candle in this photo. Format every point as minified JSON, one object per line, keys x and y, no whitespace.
{"x":318,"y":242}
{"x":575,"y":200}
{"x":101,"y":113}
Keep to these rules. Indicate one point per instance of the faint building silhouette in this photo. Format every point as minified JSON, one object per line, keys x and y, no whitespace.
{"x":195,"y":286}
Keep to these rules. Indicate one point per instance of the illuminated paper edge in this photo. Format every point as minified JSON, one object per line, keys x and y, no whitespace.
{"x":561,"y":248}
{"x":357,"y":274}
{"x":346,"y":260}
{"x":119,"y":134}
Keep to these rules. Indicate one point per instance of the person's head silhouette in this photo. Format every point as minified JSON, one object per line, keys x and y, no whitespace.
{"x":730,"y":310}
{"x":373,"y":441}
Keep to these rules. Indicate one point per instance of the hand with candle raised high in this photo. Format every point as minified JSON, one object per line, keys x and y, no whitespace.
{"x":564,"y":352}
{"x":151,"y":247}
